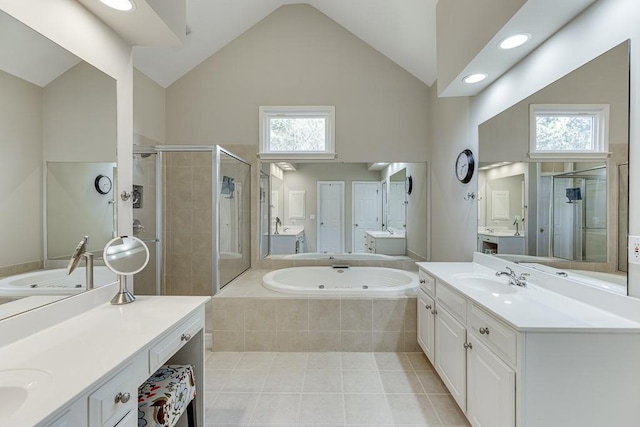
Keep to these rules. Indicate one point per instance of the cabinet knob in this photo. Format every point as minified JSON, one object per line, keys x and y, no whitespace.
{"x":484,"y":331}
{"x":185,"y":337}
{"x":434,"y":311}
{"x":122,"y":397}
{"x":467,"y":346}
{"x":423,"y":281}
{"x":428,"y":306}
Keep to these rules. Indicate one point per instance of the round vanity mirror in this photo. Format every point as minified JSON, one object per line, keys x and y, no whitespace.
{"x":125,"y":256}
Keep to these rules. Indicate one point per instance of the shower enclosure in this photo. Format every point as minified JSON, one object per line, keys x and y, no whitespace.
{"x":580,"y":215}
{"x":192,"y":206}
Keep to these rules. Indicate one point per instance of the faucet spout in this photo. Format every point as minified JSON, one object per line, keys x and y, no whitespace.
{"x":79,"y":253}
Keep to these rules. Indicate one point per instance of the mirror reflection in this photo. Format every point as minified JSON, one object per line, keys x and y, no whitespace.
{"x":356,"y":210}
{"x":561,"y":210}
{"x":57,"y":124}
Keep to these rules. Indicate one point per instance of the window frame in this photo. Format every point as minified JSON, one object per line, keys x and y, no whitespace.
{"x":323,"y":111}
{"x":600,"y":113}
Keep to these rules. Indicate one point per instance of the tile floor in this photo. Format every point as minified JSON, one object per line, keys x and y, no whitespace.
{"x":330,"y":389}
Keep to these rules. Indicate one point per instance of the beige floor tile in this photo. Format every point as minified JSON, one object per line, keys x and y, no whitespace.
{"x":361,"y":382}
{"x":276,"y":409}
{"x":322,"y":381}
{"x":215,"y":379}
{"x":245,"y":381}
{"x":431,"y":382}
{"x":223,"y":359}
{"x":232,"y":408}
{"x":256,"y":360}
{"x":290,"y":362}
{"x":359,"y":361}
{"x":392,"y":361}
{"x":367,"y":409}
{"x":420,"y":362}
{"x":324,"y":361}
{"x":412,"y":409}
{"x":321,"y":409}
{"x":400,"y":382}
{"x":448,"y":410}
{"x":284,"y":382}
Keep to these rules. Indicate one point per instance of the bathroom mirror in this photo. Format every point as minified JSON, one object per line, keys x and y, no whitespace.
{"x":342,"y":201}
{"x":57,"y":113}
{"x":571,"y":211}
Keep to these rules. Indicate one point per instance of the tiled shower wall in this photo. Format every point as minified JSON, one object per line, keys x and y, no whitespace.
{"x":310,"y":324}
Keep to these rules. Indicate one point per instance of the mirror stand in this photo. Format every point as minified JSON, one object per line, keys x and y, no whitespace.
{"x":123,"y":296}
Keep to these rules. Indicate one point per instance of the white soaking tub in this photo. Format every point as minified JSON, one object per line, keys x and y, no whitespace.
{"x":346,"y":281}
{"x":54,"y":282}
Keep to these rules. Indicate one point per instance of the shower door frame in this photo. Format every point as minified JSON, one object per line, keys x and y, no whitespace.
{"x":216,"y":151}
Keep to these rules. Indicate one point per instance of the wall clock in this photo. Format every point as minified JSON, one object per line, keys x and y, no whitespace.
{"x":465,"y":166}
{"x":103,"y":184}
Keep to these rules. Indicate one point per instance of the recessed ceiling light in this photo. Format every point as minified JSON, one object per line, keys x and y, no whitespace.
{"x":122,"y":5}
{"x":514,"y":41}
{"x":474,"y":78}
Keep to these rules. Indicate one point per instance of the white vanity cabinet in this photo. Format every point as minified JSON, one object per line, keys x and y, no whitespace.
{"x":501,"y":244}
{"x":288,"y":242}
{"x":385,"y":243}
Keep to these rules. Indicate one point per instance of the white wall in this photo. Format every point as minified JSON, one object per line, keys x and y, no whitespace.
{"x":604,"y":25}
{"x":149,"y":110}
{"x":20,"y":171}
{"x":298,"y":56}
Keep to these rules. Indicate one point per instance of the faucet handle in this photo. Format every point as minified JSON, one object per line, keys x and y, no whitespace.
{"x":523,"y":276}
{"x":511,"y":272}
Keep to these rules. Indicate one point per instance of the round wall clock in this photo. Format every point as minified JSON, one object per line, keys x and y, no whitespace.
{"x":465,"y":165}
{"x":103,"y":184}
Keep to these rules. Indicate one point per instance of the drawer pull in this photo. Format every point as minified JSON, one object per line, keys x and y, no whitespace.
{"x":185,"y":337}
{"x":428,"y":306}
{"x":423,"y":281}
{"x":484,"y":331}
{"x":434,"y":311}
{"x":467,"y":346}
{"x":122,"y":397}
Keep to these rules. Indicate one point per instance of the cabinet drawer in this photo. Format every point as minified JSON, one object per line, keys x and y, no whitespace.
{"x":173,"y":341}
{"x":427,"y":283}
{"x":495,"y":334}
{"x":456,"y":303}
{"x":114,"y":399}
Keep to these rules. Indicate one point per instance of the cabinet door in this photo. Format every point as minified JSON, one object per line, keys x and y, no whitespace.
{"x":426,"y":325}
{"x":491,"y":388}
{"x":451,"y":355}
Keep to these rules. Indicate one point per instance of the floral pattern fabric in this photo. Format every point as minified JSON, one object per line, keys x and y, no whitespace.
{"x":165,"y":395}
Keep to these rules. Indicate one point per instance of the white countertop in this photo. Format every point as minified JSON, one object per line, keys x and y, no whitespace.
{"x":510,"y":233}
{"x":384,"y":235}
{"x":532,"y":308}
{"x":289,"y":230}
{"x":79,"y":352}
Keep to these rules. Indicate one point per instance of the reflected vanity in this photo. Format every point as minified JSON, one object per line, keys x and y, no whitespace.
{"x":54,"y":143}
{"x":571,"y":210}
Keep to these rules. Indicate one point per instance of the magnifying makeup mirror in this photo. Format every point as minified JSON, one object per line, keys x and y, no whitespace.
{"x":125,"y":256}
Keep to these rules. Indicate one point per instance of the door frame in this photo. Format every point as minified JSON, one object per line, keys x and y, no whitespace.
{"x":341,"y":184}
{"x":353,"y":209}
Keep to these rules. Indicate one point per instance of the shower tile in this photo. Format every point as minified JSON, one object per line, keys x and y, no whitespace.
{"x":201,"y":264}
{"x":324,"y":315}
{"x":203,"y":159}
{"x":201,"y":285}
{"x":178,"y":265}
{"x":292,"y":314}
{"x":260,"y":314}
{"x":387,"y":341}
{"x":201,"y":220}
{"x":228,"y":314}
{"x":202,"y":243}
{"x":356,"y":315}
{"x":181,"y":158}
{"x":388,"y":315}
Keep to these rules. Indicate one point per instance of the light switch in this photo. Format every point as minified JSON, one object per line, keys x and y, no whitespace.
{"x":634,"y":249}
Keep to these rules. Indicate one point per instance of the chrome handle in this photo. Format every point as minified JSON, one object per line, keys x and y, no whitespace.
{"x":467,"y":346}
{"x":185,"y":337}
{"x":484,"y":331}
{"x":122,"y":397}
{"x":428,"y":307}
{"x":423,"y":280}
{"x":434,"y":311}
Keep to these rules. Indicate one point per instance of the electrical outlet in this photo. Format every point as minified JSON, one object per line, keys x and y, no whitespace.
{"x":634,"y":249}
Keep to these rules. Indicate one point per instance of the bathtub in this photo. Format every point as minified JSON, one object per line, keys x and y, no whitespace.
{"x":343,"y":256}
{"x":337,"y":282}
{"x":53,"y":282}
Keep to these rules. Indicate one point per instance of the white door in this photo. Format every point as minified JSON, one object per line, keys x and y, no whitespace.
{"x":491,"y":388}
{"x":426,"y":325}
{"x":330,"y":216}
{"x":365,"y":212}
{"x":544,"y":213}
{"x":451,"y":356}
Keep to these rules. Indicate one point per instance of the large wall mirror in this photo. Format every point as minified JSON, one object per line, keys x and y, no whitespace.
{"x":359,"y":210}
{"x":564,"y":214}
{"x":57,"y":137}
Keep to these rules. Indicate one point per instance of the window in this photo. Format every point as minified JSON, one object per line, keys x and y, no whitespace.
{"x":297,"y":132}
{"x":561,"y":131}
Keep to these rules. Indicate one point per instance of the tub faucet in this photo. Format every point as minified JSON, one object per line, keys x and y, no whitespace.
{"x":514,"y":279}
{"x":81,"y":252}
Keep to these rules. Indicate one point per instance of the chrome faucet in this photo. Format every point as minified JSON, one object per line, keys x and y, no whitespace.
{"x":277,"y":222}
{"x":81,"y":252}
{"x":514,"y":279}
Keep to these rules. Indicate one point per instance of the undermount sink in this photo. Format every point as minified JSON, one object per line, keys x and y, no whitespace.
{"x":487,"y":283}
{"x":16,"y":385}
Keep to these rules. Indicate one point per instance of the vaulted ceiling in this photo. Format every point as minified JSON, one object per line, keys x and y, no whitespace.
{"x":402,"y":30}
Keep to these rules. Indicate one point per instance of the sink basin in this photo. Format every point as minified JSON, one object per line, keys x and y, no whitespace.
{"x":16,"y":385}
{"x":482,"y":282}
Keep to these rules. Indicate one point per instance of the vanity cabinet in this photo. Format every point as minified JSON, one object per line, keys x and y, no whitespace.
{"x":388,"y":244}
{"x":501,"y":244}
{"x":287,"y":243}
{"x":426,"y":324}
{"x":114,"y":400}
{"x":451,"y":355}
